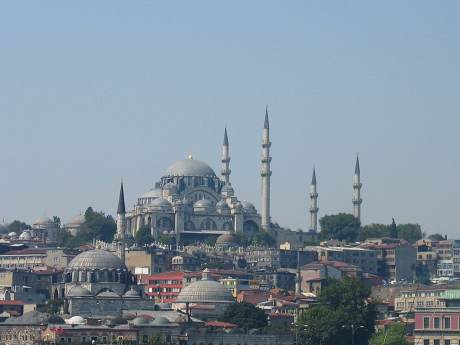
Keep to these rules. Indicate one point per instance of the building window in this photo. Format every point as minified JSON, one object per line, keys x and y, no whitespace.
{"x":447,"y":342}
{"x":426,"y":342}
{"x":436,"y":322}
{"x":436,"y":342}
{"x":426,"y":322}
{"x":447,"y":322}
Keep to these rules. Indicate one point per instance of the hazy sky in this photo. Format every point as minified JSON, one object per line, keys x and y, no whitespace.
{"x":95,"y":91}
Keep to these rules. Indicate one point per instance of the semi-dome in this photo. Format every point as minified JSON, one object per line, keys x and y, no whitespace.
{"x":205,"y":291}
{"x":96,"y":259}
{"x":161,"y":205}
{"x":79,"y":291}
{"x":248,"y":207}
{"x":160,"y":321}
{"x":190,"y":167}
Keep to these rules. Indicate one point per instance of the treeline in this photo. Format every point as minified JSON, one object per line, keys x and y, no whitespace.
{"x":345,"y":227}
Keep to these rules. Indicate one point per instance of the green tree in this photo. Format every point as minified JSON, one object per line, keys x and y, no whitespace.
{"x":57,"y":221}
{"x":264,"y":238}
{"x":393,"y":335}
{"x":143,"y":235}
{"x":17,"y":226}
{"x":342,"y":226}
{"x":393,"y":229}
{"x":245,"y":315}
{"x":156,"y":339}
{"x":373,"y":231}
{"x":167,"y":239}
{"x":436,"y":237}
{"x":341,"y":306}
{"x":99,"y":226}
{"x":410,"y":232}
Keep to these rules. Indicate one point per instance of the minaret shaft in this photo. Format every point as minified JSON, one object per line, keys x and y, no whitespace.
{"x":357,"y":200}
{"x":313,"y":204}
{"x":265,"y":174}
{"x":226,"y":160}
{"x":121,"y":225}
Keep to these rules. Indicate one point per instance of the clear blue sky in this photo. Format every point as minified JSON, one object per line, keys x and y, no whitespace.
{"x":93,"y":91}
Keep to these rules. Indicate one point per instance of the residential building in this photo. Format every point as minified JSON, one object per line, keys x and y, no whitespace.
{"x":273,"y":259}
{"x":444,"y":249}
{"x":23,"y":259}
{"x":361,"y":257}
{"x":456,"y":257}
{"x":445,"y":269}
{"x":148,"y":260}
{"x":395,"y":261}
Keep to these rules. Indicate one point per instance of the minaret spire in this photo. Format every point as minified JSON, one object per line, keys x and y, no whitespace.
{"x":265,"y":174}
{"x":357,"y":200}
{"x":313,"y":204}
{"x":121,"y":224}
{"x":226,"y":159}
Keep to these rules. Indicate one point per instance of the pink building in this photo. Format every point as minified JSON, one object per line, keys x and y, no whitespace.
{"x":439,"y":325}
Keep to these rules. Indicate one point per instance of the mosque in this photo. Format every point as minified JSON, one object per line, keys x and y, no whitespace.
{"x":191,"y":202}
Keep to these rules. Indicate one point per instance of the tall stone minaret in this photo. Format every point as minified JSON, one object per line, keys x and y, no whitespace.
{"x":226,"y":160}
{"x":357,"y":201}
{"x":313,"y":204}
{"x":121,"y":225}
{"x":266,"y":173}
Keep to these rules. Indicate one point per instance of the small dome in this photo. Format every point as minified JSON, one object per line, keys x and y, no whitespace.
{"x":248,"y":207}
{"x":226,"y":239}
{"x":25,"y":235}
{"x":79,"y":291}
{"x":190,"y":167}
{"x":205,"y":291}
{"x":140,"y":320}
{"x":131,"y":293}
{"x":107,"y":294}
{"x":161,"y":205}
{"x":170,"y":186}
{"x":95,"y":259}
{"x":12,"y":234}
{"x":43,"y":221}
{"x":75,"y":320}
{"x":227,"y":191}
{"x":77,"y":220}
{"x":203,"y":205}
{"x":160,"y":321}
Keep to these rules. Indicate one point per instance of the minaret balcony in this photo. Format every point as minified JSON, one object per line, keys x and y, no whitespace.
{"x":357,"y":185}
{"x":266,"y":159}
{"x":267,"y":145}
{"x":357,"y":201}
{"x":265,"y":173}
{"x":314,"y":209}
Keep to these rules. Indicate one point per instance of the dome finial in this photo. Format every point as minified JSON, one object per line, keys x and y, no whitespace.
{"x":190,"y":156}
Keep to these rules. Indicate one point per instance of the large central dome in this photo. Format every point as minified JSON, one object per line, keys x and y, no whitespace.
{"x":96,"y":259}
{"x":190,"y":167}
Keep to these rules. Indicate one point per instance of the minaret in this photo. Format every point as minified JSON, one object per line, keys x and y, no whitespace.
{"x":313,"y":204}
{"x":226,"y":160}
{"x":121,"y":225}
{"x":357,"y":191}
{"x":266,"y":173}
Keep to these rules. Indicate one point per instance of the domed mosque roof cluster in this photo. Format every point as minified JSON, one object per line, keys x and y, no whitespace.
{"x":161,"y":204}
{"x":96,"y":259}
{"x":144,"y":321}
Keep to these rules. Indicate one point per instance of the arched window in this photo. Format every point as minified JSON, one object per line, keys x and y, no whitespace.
{"x":228,"y":226}
{"x":189,"y":226}
{"x":250,"y":227}
{"x":208,"y":224}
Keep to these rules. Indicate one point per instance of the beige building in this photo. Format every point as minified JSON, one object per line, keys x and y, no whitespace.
{"x":23,"y":259}
{"x":147,"y":261}
{"x":409,"y":300}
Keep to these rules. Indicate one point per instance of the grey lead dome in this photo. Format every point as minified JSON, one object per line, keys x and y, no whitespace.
{"x":205,"y":291}
{"x":190,"y":167}
{"x":96,"y":259}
